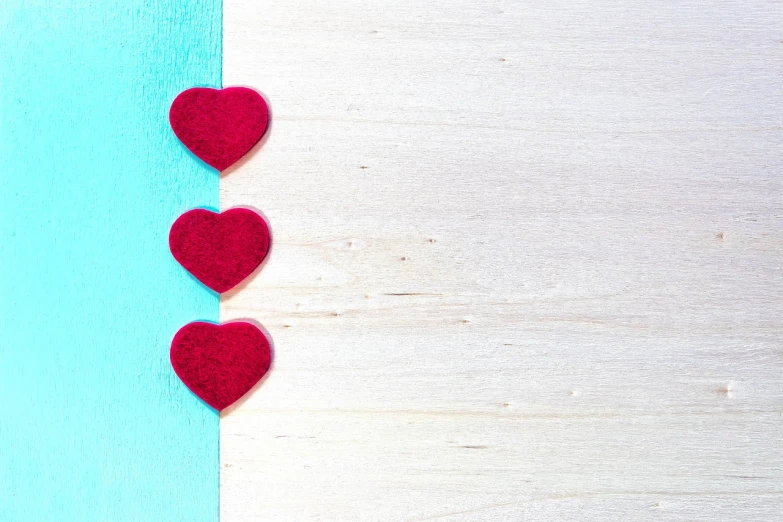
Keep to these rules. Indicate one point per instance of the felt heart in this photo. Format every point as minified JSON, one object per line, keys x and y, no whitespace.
{"x":219,"y":249}
{"x":219,"y":125}
{"x":220,"y":363}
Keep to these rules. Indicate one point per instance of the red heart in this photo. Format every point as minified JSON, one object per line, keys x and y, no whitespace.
{"x":220,"y":363}
{"x":220,"y":250}
{"x":219,"y":126}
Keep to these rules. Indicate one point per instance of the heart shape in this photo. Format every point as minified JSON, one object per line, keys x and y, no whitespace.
{"x":219,"y":125}
{"x":219,"y":249}
{"x":220,"y":363}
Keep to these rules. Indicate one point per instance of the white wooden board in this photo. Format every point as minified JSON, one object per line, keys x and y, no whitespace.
{"x":526,"y":265}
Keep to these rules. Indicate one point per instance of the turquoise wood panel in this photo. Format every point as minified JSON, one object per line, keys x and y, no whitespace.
{"x":94,"y":425}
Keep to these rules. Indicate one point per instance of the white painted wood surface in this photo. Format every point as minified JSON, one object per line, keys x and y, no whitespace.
{"x":527,"y":261}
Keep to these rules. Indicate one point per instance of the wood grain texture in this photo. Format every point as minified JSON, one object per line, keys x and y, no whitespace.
{"x":526,"y":261}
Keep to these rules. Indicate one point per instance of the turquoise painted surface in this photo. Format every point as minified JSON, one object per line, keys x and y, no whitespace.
{"x":94,"y":425}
